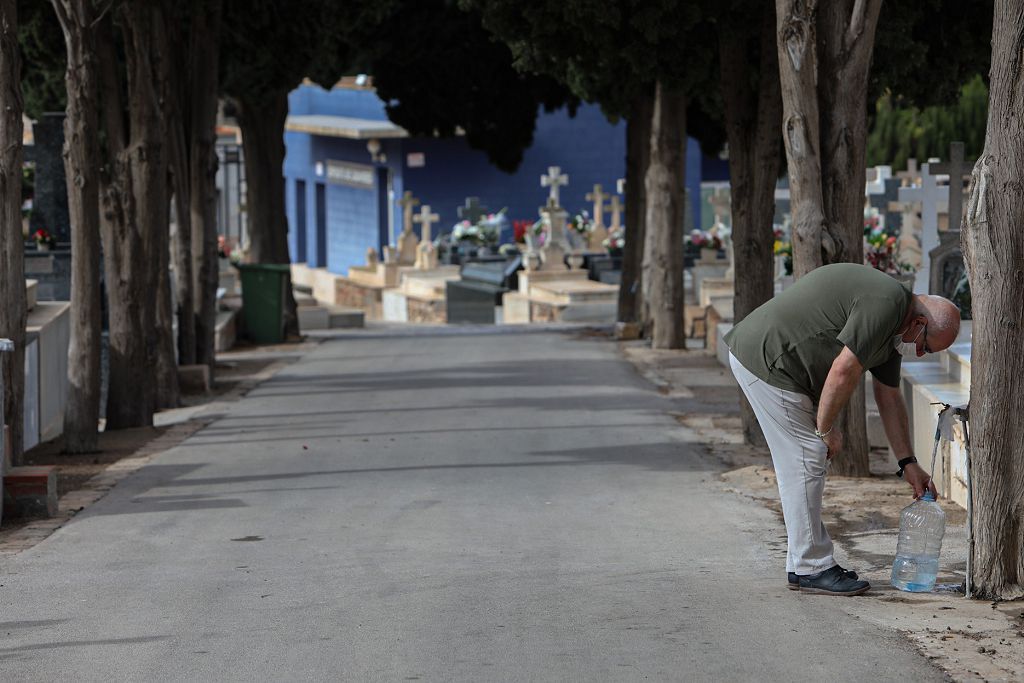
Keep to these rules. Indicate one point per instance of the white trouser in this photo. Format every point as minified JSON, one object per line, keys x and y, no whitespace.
{"x":787,"y":419}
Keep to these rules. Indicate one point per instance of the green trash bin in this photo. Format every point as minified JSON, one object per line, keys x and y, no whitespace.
{"x":264,"y":289}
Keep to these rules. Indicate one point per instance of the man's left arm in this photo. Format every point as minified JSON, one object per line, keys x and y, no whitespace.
{"x":897,"y":429}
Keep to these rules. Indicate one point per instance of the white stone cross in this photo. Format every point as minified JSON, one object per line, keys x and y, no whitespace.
{"x":554,"y":179}
{"x":598,"y":197}
{"x":933,"y":198}
{"x":427,"y":219}
{"x":615,"y":208}
{"x":407,"y":202}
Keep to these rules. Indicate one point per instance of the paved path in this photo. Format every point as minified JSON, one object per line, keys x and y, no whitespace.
{"x":415,"y":507}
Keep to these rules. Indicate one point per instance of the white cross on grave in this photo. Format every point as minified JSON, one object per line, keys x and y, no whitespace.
{"x":934,"y":198}
{"x":615,"y":209}
{"x":597,"y":197}
{"x":554,"y":179}
{"x":427,"y":219}
{"x":598,"y":235}
{"x":426,"y":256}
{"x":407,"y":202}
{"x":408,"y":240}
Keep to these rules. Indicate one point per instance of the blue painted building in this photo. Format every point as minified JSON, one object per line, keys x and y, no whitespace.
{"x":347,"y":165}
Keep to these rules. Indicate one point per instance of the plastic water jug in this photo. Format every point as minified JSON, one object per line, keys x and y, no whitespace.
{"x":922,"y":525}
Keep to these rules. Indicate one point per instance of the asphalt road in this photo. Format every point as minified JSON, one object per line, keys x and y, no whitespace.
{"x":431,"y":507}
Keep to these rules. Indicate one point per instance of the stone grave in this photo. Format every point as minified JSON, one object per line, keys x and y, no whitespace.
{"x":47,"y":335}
{"x":419,"y":294}
{"x":937,"y":200}
{"x":362,"y":288}
{"x":945,"y":260}
{"x":549,"y":290}
{"x":599,"y":234}
{"x":408,"y":242}
{"x":476,"y":297}
{"x":50,"y":201}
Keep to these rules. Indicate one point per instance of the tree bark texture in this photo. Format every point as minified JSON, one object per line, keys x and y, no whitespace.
{"x":174,"y":98}
{"x":163,"y":68}
{"x":824,"y":64}
{"x":12,"y":246}
{"x":665,"y":186}
{"x":993,"y":246}
{"x":204,"y":53}
{"x":796,"y":22}
{"x":81,"y":164}
{"x":753,"y":116}
{"x":638,"y":152}
{"x":133,"y":207}
{"x":262,"y":123}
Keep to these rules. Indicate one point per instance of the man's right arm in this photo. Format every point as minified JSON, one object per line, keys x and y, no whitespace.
{"x":844,"y":375}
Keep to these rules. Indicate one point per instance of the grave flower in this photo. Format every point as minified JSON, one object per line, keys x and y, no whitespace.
{"x":582,"y":223}
{"x":44,"y":240}
{"x":702,"y":239}
{"x":881,"y":252}
{"x":615,"y":242}
{"x":784,"y":248}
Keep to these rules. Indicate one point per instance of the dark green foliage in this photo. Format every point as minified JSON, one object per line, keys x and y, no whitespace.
{"x":43,"y":58}
{"x":900,"y":131}
{"x":925,"y":50}
{"x":269,"y":46}
{"x":611,"y":51}
{"x":438,"y":71}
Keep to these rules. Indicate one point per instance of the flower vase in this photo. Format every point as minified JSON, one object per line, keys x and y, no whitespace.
{"x":708,"y":255}
{"x":42,"y":246}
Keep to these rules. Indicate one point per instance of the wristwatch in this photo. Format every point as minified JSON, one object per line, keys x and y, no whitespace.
{"x":903,"y":463}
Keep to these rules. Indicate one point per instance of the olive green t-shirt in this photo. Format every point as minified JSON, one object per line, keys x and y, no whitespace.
{"x":791,"y":341}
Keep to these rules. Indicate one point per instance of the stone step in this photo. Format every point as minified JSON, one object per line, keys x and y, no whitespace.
{"x":313,"y":317}
{"x":30,"y":491}
{"x":343,"y":317}
{"x":303,"y":299}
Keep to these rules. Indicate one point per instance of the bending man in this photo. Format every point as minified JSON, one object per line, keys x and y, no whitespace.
{"x":798,"y":359}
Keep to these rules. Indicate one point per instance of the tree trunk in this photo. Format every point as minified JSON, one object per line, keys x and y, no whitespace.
{"x":824,"y":63}
{"x":993,"y":247}
{"x":12,"y":246}
{"x":753,"y":116}
{"x":134,"y":207}
{"x":176,"y":92}
{"x":204,"y":54}
{"x":262,"y":123}
{"x":81,"y":161}
{"x":638,"y":146}
{"x":165,"y":71}
{"x":798,"y":76}
{"x":665,"y":186}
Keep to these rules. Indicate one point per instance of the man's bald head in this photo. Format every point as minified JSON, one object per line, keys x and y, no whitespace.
{"x":943,"y":318}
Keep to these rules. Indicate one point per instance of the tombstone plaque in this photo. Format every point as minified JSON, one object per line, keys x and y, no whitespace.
{"x":50,"y":202}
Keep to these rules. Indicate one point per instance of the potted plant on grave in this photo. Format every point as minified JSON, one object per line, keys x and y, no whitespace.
{"x":577,"y":231}
{"x":44,"y":240}
{"x":881,"y":253}
{"x":783,"y":250}
{"x":707,"y":243}
{"x":615,"y":242}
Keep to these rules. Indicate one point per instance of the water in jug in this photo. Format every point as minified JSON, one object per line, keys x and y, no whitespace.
{"x":922,"y":525}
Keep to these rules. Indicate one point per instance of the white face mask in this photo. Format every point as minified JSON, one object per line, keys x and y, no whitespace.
{"x":906,"y":349}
